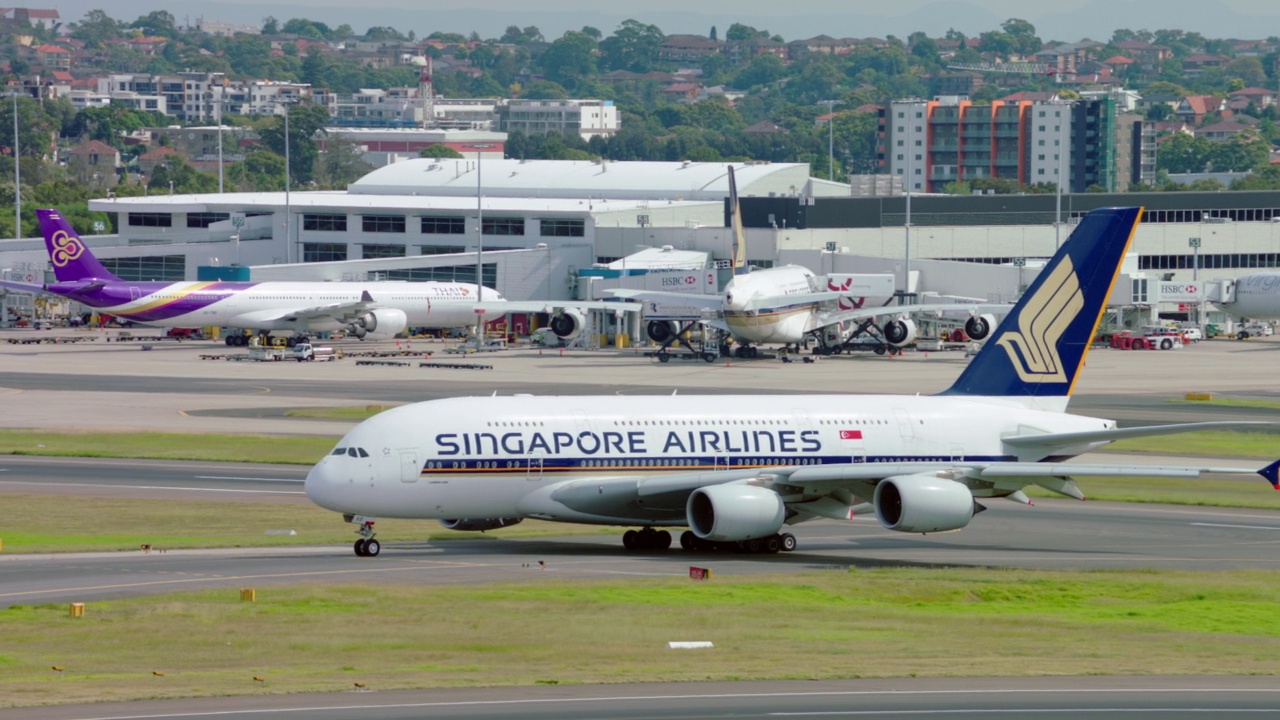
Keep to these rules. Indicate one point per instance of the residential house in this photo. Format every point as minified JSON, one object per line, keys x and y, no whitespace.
{"x":1194,"y":108}
{"x":682,"y":92}
{"x":94,"y":163}
{"x":1147,"y":55}
{"x":742,"y":52}
{"x":687,"y":48}
{"x":1255,"y":96}
{"x":1193,"y":66}
{"x":1225,"y":130}
{"x":153,"y":158}
{"x":52,"y":57}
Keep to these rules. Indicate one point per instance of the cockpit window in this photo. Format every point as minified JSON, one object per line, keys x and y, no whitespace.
{"x":340,"y":451}
{"x":351,"y":452}
{"x":362,"y":452}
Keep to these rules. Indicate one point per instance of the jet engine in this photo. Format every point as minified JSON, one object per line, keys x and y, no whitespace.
{"x":480,"y":524}
{"x":900,"y":332}
{"x":569,"y":324}
{"x":661,"y":331}
{"x":733,"y":512}
{"x":380,"y":323}
{"x":979,"y":327}
{"x":922,"y":504}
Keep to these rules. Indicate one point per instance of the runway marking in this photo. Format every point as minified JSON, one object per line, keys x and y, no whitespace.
{"x":255,"y":479}
{"x":732,"y":696}
{"x":1238,"y":527}
{"x":151,"y":487}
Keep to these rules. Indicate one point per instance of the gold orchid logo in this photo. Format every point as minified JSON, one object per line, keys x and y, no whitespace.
{"x":65,"y":248}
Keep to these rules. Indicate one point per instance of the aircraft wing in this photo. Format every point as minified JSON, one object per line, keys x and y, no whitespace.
{"x":841,"y":490}
{"x":24,"y":287}
{"x":557,"y":306}
{"x":831,"y":317}
{"x":1059,"y":440}
{"x":705,"y":302}
{"x":344,"y":312}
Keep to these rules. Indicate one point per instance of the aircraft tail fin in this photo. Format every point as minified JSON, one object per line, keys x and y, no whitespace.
{"x":735,"y":221}
{"x":1037,"y":351}
{"x":71,"y":258}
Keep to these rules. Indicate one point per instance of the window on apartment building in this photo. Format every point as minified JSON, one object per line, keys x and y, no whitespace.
{"x":503,"y":226}
{"x":441,"y":249}
{"x":900,"y":156}
{"x":324,"y":252}
{"x":205,"y":219}
{"x":150,"y":220}
{"x":443,"y":225}
{"x":1040,"y":157}
{"x":1041,"y":128}
{"x":1040,"y":171}
{"x":370,"y":252}
{"x":324,"y":222}
{"x":383,"y":223}
{"x":562,"y":228}
{"x":901,"y":143}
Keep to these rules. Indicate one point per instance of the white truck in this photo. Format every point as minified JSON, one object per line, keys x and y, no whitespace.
{"x":303,"y":352}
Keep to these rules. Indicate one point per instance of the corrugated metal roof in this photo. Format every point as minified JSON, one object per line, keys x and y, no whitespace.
{"x":582,"y":179}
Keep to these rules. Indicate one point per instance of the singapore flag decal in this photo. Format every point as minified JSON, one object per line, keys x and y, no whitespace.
{"x":851,"y":435}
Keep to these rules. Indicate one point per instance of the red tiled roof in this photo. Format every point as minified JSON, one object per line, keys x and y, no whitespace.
{"x":52,"y":49}
{"x":93,"y":147}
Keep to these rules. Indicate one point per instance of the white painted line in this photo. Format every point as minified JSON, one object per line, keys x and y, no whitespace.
{"x":1238,"y":527}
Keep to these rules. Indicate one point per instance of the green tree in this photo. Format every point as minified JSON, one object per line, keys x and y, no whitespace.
{"x":545,"y":90}
{"x":157,"y":22}
{"x":260,"y":171}
{"x":270,"y":26}
{"x":1024,"y":36}
{"x":1248,"y":70}
{"x":570,"y":59}
{"x":341,"y":164}
{"x":35,"y":128}
{"x":763,"y":70}
{"x":174,"y":174}
{"x":306,"y":122}
{"x":96,"y":28}
{"x":738,"y":32}
{"x":438,"y":151}
{"x":633,"y":46}
{"x":306,"y":28}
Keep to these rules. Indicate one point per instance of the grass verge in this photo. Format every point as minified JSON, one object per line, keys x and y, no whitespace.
{"x":1231,"y":402}
{"x":58,"y":523}
{"x":273,"y":449}
{"x":338,"y":413}
{"x":867,"y":623}
{"x":1206,"y":444}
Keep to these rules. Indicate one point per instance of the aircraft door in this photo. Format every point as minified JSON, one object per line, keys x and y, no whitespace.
{"x":905,"y":427}
{"x":410,"y":468}
{"x":135,"y":293}
{"x":533,"y":471}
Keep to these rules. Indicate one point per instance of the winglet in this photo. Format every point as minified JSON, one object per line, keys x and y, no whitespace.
{"x":1272,"y":474}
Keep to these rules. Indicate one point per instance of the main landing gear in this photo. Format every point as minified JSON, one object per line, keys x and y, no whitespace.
{"x":785,"y":542}
{"x":367,"y":545}
{"x":646,"y":539}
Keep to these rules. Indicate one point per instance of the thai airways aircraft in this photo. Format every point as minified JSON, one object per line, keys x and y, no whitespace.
{"x":787,"y":305}
{"x":736,"y":470}
{"x":366,"y":309}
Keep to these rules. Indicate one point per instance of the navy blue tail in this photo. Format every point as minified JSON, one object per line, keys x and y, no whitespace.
{"x":1039,"y":348}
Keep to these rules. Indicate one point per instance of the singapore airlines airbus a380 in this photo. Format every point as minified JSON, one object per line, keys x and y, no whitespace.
{"x":373,"y":309}
{"x":737,"y":469}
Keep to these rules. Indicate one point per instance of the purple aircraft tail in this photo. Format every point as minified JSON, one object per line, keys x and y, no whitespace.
{"x":71,"y":258}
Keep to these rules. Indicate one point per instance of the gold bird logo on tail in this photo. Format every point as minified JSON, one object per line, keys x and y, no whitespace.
{"x":1033,"y":348}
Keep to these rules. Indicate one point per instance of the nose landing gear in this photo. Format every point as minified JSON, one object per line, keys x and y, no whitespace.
{"x":367,"y":545}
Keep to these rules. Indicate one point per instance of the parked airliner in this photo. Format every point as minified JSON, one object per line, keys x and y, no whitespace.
{"x":787,"y":305}
{"x":1255,"y":296}
{"x":736,"y":470}
{"x":366,"y":309}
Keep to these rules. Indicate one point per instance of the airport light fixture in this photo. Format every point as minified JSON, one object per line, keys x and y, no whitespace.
{"x":480,"y":148}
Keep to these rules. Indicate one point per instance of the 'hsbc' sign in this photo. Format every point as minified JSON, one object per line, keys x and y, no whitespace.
{"x":1181,"y":292}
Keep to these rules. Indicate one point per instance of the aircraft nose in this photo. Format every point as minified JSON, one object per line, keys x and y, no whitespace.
{"x":324,"y":486}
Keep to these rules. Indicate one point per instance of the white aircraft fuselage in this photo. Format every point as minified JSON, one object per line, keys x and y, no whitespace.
{"x":511,"y":456}
{"x":756,"y":310}
{"x":1257,"y":297}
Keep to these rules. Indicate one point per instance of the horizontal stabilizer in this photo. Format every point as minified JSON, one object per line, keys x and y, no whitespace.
{"x":1055,"y":440}
{"x":22,"y":286}
{"x":1272,"y":474}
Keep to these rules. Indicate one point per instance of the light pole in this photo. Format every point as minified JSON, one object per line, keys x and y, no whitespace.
{"x":1195,"y":274}
{"x":17,"y":172}
{"x":288,"y":238}
{"x":1063,"y":140}
{"x":479,"y":247}
{"x":831,"y":135}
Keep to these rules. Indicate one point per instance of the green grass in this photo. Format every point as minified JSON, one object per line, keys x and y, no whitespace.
{"x":1231,"y":402}
{"x":40,"y":523}
{"x":339,"y":413}
{"x":1207,"y":444}
{"x":868,"y":623}
{"x":1248,"y":492}
{"x":274,"y":449}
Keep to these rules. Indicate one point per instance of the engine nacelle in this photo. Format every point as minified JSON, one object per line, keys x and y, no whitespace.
{"x":480,"y":524}
{"x":661,"y":331}
{"x":979,"y":327}
{"x":569,"y":324}
{"x":900,"y":332}
{"x":733,"y":512}
{"x":380,"y":323}
{"x":922,"y":504}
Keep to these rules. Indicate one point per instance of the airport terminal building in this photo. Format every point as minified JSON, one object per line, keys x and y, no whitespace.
{"x":543,"y":223}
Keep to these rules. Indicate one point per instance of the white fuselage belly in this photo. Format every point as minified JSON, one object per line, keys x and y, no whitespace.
{"x":509,"y":457}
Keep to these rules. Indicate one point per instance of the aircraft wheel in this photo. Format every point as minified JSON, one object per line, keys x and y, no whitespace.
{"x":754,"y":546}
{"x":688,"y":540}
{"x":772,"y":545}
{"x":788,"y":542}
{"x":631,"y":540}
{"x":662,"y":540}
{"x":359,"y":548}
{"x":663,"y":357}
{"x":372,"y":548}
{"x":879,"y":350}
{"x":228,"y":340}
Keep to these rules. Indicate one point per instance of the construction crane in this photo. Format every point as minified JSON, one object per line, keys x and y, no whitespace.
{"x":1021,"y":68}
